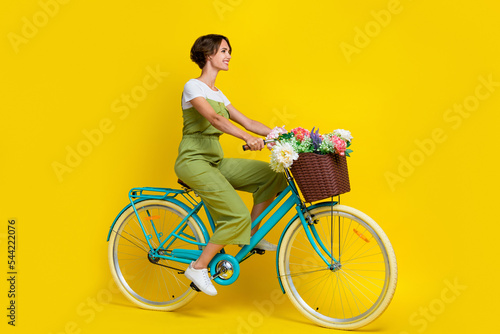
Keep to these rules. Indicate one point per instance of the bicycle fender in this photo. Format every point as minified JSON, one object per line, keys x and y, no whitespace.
{"x":172,"y":200}
{"x":283,"y":234}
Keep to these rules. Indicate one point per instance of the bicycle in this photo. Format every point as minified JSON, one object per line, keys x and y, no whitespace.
{"x":334,"y":262}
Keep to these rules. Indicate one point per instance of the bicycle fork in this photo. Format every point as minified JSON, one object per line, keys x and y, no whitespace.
{"x":309,"y":225}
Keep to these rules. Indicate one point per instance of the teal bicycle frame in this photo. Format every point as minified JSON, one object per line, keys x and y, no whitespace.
{"x":137,"y":195}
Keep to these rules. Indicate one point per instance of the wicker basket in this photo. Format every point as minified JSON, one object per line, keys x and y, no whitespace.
{"x":320,"y":176}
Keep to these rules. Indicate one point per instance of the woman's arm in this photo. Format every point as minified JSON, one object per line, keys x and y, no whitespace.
{"x":249,"y":124}
{"x":223,"y":124}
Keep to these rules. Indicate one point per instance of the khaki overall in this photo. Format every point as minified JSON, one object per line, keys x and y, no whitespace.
{"x":202,"y":166}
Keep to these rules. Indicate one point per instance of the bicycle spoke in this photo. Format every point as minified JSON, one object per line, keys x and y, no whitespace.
{"x":340,"y":295}
{"x":333,"y":296}
{"x":359,"y":257}
{"x":351,"y":279}
{"x":345,"y":238}
{"x":313,"y":284}
{"x":352,"y":294}
{"x":354,"y":241}
{"x":306,"y":265}
{"x":305,"y":272}
{"x":179,"y":282}
{"x":319,"y":294}
{"x":305,"y":260}
{"x":351,"y":262}
{"x":138,"y":239}
{"x":133,"y":243}
{"x":160,"y":285}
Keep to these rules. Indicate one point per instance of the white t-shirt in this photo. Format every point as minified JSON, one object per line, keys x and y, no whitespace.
{"x":194,"y":88}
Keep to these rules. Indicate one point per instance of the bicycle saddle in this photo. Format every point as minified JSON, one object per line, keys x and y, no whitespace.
{"x":179,"y":181}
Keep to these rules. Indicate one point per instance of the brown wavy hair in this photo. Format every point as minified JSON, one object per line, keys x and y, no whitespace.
{"x":206,"y":46}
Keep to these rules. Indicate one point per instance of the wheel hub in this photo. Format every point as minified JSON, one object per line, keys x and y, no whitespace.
{"x":336,"y":266}
{"x":152,"y":258}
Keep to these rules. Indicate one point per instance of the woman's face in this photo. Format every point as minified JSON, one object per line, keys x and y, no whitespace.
{"x":220,"y":60}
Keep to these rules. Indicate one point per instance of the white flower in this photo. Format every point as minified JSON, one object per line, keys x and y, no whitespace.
{"x":343,"y":134}
{"x":282,"y":156}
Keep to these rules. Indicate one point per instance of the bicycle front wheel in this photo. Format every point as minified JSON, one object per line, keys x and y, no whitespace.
{"x":151,"y":283}
{"x":350,"y":292}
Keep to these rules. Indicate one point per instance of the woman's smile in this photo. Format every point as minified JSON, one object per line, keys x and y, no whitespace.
{"x":221,"y":59}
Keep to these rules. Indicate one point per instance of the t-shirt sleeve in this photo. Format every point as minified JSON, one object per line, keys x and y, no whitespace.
{"x":192,"y":90}
{"x":224,"y":99}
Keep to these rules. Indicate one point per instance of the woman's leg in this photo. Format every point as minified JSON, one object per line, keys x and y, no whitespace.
{"x":257,"y":210}
{"x":207,"y":255}
{"x":255,"y":177}
{"x":212,"y":249}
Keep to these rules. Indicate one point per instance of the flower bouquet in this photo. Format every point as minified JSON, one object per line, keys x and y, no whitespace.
{"x":317,"y":162}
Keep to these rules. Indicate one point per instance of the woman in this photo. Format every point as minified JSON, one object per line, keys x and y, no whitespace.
{"x":200,"y":164}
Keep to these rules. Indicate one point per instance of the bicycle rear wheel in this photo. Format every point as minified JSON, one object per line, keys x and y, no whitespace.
{"x":145,"y":281}
{"x":345,"y":295}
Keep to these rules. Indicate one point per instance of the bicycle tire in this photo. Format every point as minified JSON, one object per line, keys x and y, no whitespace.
{"x":348,"y":296}
{"x":146,"y":284}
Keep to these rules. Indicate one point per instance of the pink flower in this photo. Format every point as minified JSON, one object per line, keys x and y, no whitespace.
{"x":340,"y":145}
{"x":274,"y":134}
{"x":300,"y":133}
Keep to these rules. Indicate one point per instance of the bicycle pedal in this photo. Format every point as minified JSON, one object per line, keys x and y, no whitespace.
{"x":194,"y":287}
{"x":258,"y":251}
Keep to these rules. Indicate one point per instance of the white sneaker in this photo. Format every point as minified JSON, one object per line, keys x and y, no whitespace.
{"x":266,"y":245}
{"x":200,"y":278}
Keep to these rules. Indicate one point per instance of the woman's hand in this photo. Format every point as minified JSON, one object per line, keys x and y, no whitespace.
{"x":255,"y":143}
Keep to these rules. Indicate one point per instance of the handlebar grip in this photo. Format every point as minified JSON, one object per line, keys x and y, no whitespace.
{"x":246,"y":147}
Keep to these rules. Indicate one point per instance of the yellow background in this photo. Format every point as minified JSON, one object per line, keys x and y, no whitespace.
{"x":288,"y":68}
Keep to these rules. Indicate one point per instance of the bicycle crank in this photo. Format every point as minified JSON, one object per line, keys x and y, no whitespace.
{"x":225,"y":269}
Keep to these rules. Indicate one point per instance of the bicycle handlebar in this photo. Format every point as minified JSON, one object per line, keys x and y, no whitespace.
{"x":245,"y":147}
